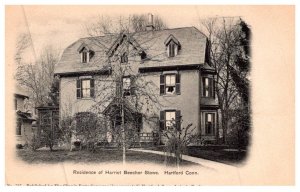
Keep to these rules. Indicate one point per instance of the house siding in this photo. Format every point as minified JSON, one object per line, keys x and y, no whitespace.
{"x":187,"y":102}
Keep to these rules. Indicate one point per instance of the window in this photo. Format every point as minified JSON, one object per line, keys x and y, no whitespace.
{"x":84,"y":57}
{"x":126,"y":86}
{"x":85,"y":88}
{"x":170,"y":84}
{"x":209,"y":123}
{"x":172,"y":49}
{"x":124,"y":58}
{"x":172,"y":46}
{"x":19,"y":127}
{"x":170,"y":119}
{"x":85,"y":53}
{"x":208,"y":87}
{"x":16,"y":104}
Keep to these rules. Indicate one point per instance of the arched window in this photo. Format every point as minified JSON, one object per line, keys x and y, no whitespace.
{"x":124,"y":58}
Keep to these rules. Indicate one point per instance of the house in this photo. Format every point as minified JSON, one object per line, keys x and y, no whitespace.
{"x":24,"y":119}
{"x":169,"y":66}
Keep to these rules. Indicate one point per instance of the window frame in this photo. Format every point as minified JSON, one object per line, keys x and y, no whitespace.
{"x":81,"y":89}
{"x":171,"y":85}
{"x":162,"y":87}
{"x":124,"y":58}
{"x":129,"y":88}
{"x":213,"y":122}
{"x":171,"y":121}
{"x":19,"y":127}
{"x":85,"y":56}
{"x":86,"y":90}
{"x":208,"y":88}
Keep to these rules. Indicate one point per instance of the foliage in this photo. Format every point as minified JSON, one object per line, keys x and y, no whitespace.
{"x":104,"y":25}
{"x":230,"y":40}
{"x":37,"y":76}
{"x":178,"y":140}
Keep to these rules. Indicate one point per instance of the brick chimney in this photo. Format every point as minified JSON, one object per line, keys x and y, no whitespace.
{"x":150,"y":26}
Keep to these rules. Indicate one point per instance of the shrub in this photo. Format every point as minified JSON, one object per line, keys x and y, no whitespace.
{"x":19,"y":146}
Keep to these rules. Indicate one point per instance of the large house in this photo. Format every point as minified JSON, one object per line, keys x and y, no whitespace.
{"x":166,"y":78}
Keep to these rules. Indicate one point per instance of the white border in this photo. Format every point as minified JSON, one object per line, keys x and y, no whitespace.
{"x":156,"y":188}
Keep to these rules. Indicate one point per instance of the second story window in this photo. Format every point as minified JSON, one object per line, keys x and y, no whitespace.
{"x":170,"y":84}
{"x":208,"y":86}
{"x":126,"y":86}
{"x":85,"y":88}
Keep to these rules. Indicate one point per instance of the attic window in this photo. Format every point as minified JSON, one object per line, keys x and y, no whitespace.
{"x":124,"y":58}
{"x":143,"y":55}
{"x":173,"y":46}
{"x":84,"y":57}
{"x":171,"y":52}
{"x":85,"y":53}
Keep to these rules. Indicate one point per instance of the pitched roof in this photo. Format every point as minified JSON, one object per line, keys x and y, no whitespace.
{"x":192,"y":41}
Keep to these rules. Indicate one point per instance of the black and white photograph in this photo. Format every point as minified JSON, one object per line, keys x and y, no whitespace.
{"x":102,"y":93}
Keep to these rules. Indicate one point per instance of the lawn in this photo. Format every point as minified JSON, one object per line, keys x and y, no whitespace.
{"x":220,"y":154}
{"x":100,"y":156}
{"x":223,"y":155}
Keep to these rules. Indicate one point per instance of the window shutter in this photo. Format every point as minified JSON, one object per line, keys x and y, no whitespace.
{"x":132,"y":85}
{"x":78,"y":90}
{"x":92,"y":88}
{"x":210,"y":85}
{"x":118,"y":88}
{"x":214,"y":88}
{"x":205,"y":123}
{"x":178,"y":84}
{"x":203,"y":86}
{"x":178,"y":120}
{"x":162,"y":121}
{"x":213,"y":123}
{"x":162,"y":84}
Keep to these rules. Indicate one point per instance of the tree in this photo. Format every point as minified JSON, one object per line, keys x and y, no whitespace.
{"x":106,"y":25}
{"x":124,"y":96}
{"x":178,"y":141}
{"x":36,"y":76}
{"x":230,"y":55}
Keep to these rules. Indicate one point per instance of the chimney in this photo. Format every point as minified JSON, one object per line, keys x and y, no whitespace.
{"x":150,"y":26}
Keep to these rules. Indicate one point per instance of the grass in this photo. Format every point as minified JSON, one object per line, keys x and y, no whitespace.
{"x":100,"y":156}
{"x":231,"y":157}
{"x":215,"y":153}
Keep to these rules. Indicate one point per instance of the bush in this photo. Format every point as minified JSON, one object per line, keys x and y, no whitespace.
{"x":19,"y":146}
{"x":178,"y":140}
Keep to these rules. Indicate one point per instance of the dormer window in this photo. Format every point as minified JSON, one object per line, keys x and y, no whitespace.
{"x":173,"y":46}
{"x":124,"y":58}
{"x":85,"y":53}
{"x":84,"y":57}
